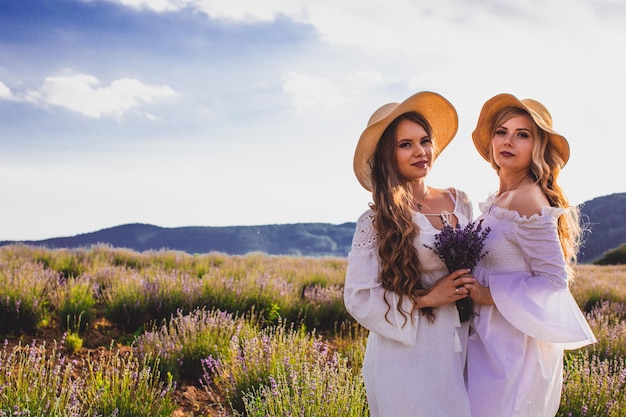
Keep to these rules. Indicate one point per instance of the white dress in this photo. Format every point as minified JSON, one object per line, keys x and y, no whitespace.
{"x":515,"y":349}
{"x":413,"y":369}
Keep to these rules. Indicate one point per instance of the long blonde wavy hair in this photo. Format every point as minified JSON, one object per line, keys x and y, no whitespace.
{"x":544,"y":170}
{"x":400,"y":267}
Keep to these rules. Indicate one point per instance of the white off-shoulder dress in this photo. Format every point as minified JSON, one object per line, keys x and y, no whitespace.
{"x":515,"y":349}
{"x":413,"y":368}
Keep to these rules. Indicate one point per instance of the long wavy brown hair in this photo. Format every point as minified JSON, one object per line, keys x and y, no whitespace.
{"x":400,"y":267}
{"x":544,"y":170}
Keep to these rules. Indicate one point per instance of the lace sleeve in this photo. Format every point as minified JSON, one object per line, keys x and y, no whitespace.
{"x":365,"y":298}
{"x":465,"y":205}
{"x":365,"y":236}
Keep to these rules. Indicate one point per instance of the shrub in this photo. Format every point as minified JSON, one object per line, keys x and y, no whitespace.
{"x":75,"y":303}
{"x":181,"y":344}
{"x":123,"y":386}
{"x":133,"y":299}
{"x":251,"y":362}
{"x":36,"y":382}
{"x":593,"y":387}
{"x":327,"y":387}
{"x":608,"y":322}
{"x":73,"y":342}
{"x":23,"y":295}
{"x":615,"y":256}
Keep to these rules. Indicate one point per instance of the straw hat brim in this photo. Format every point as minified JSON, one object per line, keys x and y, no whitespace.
{"x":540,"y":115}
{"x":438,"y":111}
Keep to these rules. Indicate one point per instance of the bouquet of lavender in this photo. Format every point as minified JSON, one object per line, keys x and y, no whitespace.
{"x":461,"y":248}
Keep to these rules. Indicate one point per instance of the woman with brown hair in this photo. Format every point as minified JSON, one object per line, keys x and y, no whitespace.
{"x":526,"y":315}
{"x":395,"y":286}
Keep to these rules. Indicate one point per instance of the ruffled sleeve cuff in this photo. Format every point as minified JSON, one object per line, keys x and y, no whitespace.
{"x":364,"y":296}
{"x":537,"y":308}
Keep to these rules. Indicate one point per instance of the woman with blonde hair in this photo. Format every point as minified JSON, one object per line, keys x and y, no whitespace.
{"x":396,"y":287}
{"x":526,"y":315}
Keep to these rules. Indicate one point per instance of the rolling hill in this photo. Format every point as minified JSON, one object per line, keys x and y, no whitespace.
{"x":605,"y":218}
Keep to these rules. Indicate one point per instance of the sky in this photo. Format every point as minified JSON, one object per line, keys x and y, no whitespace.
{"x":245,"y":112}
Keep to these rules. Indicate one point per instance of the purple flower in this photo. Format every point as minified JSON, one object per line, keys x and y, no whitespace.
{"x":461,"y":247}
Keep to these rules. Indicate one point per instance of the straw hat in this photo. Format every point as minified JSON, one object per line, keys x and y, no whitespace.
{"x":438,"y":111}
{"x":482,"y":135}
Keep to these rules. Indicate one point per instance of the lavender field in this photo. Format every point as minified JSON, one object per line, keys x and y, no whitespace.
{"x":112,"y":332}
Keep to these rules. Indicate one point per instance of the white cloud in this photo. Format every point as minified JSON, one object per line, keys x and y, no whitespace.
{"x":243,"y":10}
{"x":156,"y":5}
{"x":82,"y":93}
{"x":445,"y":26}
{"x":311,"y":93}
{"x":369,"y":77}
{"x":451,"y":26}
{"x":5,"y":92}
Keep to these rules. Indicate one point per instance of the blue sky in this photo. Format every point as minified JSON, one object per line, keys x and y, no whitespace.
{"x":242,"y":112}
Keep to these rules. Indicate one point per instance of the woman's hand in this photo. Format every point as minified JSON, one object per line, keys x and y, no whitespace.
{"x":479,"y":293}
{"x":446,"y":290}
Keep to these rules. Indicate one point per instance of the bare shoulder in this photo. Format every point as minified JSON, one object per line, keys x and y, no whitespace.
{"x":527,"y":200}
{"x":441,"y":199}
{"x":443,"y":195}
{"x":439,"y":192}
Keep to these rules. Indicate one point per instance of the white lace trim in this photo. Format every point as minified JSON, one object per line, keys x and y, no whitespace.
{"x":465,"y":205}
{"x":365,"y":236}
{"x":547,"y":215}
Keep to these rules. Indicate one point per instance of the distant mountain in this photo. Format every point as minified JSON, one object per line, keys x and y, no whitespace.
{"x":605,"y":217}
{"x":307,"y":239}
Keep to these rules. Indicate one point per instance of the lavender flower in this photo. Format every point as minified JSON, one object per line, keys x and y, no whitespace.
{"x":460,"y":248}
